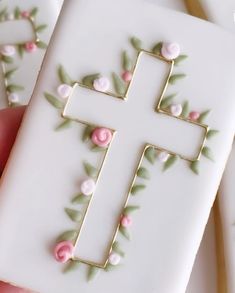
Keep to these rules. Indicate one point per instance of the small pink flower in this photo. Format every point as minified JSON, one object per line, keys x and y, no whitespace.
{"x":101,"y":84}
{"x":101,"y":136}
{"x":25,"y":14}
{"x":126,"y":221}
{"x":8,"y":50}
{"x":63,"y":251}
{"x":170,"y":50}
{"x":127,"y":76}
{"x":194,"y":115}
{"x":30,"y":47}
{"x":88,"y":186}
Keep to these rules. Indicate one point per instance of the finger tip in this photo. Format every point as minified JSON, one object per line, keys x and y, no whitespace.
{"x":7,"y":288}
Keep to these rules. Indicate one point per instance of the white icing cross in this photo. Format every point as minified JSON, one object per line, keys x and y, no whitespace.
{"x":136,"y":123}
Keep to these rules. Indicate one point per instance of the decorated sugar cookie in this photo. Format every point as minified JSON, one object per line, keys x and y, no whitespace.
{"x":126,"y":141}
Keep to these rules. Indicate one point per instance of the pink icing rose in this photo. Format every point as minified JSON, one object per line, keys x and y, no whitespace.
{"x":170,"y":50}
{"x":8,"y":50}
{"x":127,"y":76}
{"x":101,"y":84}
{"x":194,"y":115}
{"x":88,"y":186}
{"x":30,"y":47}
{"x":25,"y":14}
{"x":63,"y":251}
{"x":126,"y":221}
{"x":101,"y":136}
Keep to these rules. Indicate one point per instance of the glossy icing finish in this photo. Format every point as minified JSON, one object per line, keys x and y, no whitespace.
{"x":157,"y":253}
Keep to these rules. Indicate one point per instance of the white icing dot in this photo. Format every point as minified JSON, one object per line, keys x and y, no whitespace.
{"x":8,"y":50}
{"x":13,"y":98}
{"x":176,"y":110}
{"x":64,"y":90}
{"x":114,"y":259}
{"x":88,"y":186}
{"x":10,"y":16}
{"x":163,"y":156}
{"x":101,"y":84}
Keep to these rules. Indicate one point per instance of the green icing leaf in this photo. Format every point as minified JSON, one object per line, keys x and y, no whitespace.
{"x":119,"y":84}
{"x":68,"y":236}
{"x":7,"y":59}
{"x":9,"y":73}
{"x":176,"y":77}
{"x":92,"y":273}
{"x":137,"y":188}
{"x":117,"y":248}
{"x":185,"y":110}
{"x":74,"y":215}
{"x":126,"y":62}
{"x":170,"y":162}
{"x":90,"y":170}
{"x":151,"y":154}
{"x":167,"y":101}
{"x":3,"y":13}
{"x":211,"y":133}
{"x":194,"y":166}
{"x":34,"y":12}
{"x":130,"y":209}
{"x":12,"y":88}
{"x":54,"y":101}
{"x":143,"y":173}
{"x":157,"y":48}
{"x":64,"y":125}
{"x":125,"y":233}
{"x":17,"y":12}
{"x":20,"y":49}
{"x":72,"y":266}
{"x":89,"y":79}
{"x":207,"y":153}
{"x":180,"y":59}
{"x":41,"y":28}
{"x":81,"y":199}
{"x":203,"y":116}
{"x":87,"y":133}
{"x":97,"y":149}
{"x":136,"y":43}
{"x":41,"y":45}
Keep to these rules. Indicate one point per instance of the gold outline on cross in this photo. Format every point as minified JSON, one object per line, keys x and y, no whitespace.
{"x":157,"y":110}
{"x":35,"y":39}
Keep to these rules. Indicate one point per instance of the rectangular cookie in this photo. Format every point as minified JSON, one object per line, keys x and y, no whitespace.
{"x":126,"y":138}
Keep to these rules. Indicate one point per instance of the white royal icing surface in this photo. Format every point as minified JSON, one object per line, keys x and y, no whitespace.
{"x":181,"y":208}
{"x":221,"y":12}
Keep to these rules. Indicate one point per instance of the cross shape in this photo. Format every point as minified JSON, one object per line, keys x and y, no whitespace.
{"x":12,"y":25}
{"x":138,"y":122}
